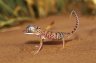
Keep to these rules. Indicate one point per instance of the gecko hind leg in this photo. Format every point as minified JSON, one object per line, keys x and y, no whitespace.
{"x":63,"y":43}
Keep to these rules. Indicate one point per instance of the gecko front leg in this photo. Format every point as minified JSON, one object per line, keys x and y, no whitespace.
{"x":40,"y":47}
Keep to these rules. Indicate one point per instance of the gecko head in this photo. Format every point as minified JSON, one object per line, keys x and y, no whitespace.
{"x":32,"y":29}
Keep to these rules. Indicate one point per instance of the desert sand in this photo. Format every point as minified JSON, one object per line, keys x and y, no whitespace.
{"x":16,"y":47}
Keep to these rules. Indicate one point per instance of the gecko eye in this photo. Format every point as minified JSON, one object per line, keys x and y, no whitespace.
{"x":30,"y":29}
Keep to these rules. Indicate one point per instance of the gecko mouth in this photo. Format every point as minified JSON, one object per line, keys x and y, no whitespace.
{"x":29,"y":33}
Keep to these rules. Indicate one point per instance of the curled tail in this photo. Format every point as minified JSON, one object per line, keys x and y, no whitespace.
{"x":76,"y":25}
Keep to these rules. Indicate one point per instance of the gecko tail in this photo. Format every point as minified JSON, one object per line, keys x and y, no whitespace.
{"x":76,"y":25}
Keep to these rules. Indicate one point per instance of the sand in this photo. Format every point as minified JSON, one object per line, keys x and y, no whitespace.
{"x":16,"y":47}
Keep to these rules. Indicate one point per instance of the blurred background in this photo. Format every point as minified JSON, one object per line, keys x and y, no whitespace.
{"x":13,"y":12}
{"x":17,"y":47}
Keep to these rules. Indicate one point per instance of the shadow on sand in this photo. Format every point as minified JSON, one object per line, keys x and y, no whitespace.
{"x":48,"y":42}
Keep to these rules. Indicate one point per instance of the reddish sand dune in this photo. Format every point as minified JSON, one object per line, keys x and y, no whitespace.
{"x":16,"y":47}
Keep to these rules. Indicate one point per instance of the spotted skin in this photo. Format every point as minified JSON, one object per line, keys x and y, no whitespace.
{"x":45,"y":34}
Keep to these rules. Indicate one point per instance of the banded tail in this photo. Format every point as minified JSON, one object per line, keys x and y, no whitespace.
{"x":76,"y":26}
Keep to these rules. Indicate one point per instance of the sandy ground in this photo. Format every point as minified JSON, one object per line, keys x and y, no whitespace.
{"x":16,"y":47}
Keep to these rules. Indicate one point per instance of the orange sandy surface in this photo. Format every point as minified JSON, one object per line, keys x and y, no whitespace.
{"x":16,"y":47}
